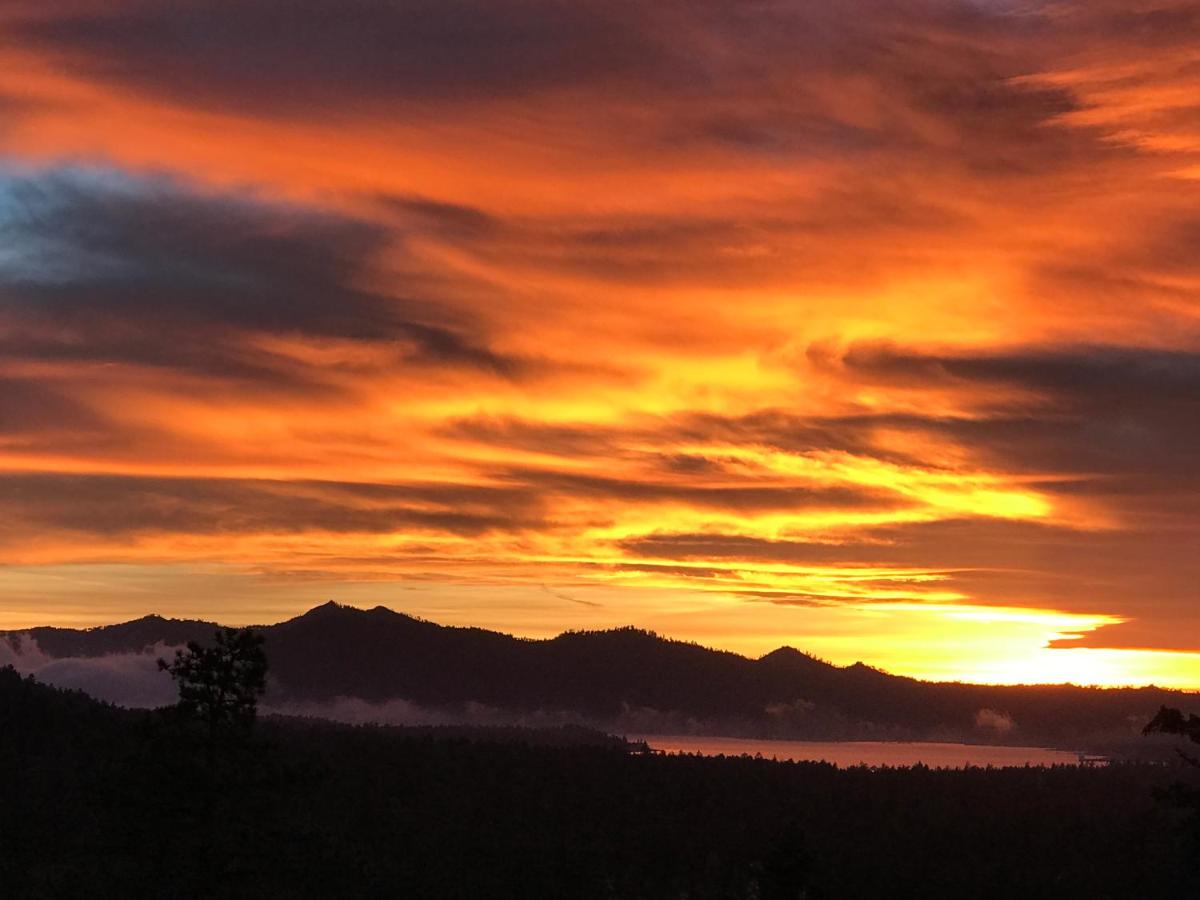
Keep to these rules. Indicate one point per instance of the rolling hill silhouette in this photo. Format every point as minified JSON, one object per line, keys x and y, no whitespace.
{"x":636,"y":680}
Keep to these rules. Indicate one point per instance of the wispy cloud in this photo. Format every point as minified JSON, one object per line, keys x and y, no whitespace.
{"x":839,"y":306}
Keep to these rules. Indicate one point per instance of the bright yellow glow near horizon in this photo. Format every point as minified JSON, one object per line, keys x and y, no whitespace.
{"x":943,"y":642}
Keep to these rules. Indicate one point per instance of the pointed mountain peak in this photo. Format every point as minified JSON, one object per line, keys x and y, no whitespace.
{"x":862,"y":670}
{"x":782,"y":653}
{"x":332,"y":611}
{"x":790,"y":657}
{"x":327,"y":609}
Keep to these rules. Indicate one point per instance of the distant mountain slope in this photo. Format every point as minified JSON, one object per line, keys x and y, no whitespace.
{"x":127,"y":637}
{"x":635,"y":680}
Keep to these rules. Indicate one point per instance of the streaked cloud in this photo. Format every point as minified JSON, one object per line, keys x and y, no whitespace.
{"x":872,"y":313}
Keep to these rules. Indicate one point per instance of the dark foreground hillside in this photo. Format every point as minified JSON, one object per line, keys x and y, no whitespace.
{"x":105,"y":802}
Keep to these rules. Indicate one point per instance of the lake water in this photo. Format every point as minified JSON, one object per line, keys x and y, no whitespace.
{"x":871,"y":753}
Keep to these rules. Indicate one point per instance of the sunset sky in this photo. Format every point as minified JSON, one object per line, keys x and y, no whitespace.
{"x":870,"y":327}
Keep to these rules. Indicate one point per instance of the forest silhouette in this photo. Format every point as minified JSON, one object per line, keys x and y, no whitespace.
{"x":203,"y":799}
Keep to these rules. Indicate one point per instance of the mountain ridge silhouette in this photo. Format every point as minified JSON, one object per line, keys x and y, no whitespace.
{"x":618,"y":675}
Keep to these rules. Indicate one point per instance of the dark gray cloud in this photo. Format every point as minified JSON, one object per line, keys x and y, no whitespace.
{"x":777,"y":428}
{"x":770,"y":244}
{"x":542,"y":437}
{"x":102,"y":267}
{"x":945,"y":545}
{"x":1088,"y":411}
{"x":780,"y":429}
{"x":113,"y":505}
{"x":746,"y":494}
{"x":117,"y":505}
{"x":1090,"y":374}
{"x":941,"y":71}
{"x":769,"y":247}
{"x":292,"y":54}
{"x":29,"y":406}
{"x":733,"y":547}
{"x":446,"y":220}
{"x":1139,"y":23}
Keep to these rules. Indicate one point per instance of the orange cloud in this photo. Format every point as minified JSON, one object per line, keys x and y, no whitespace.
{"x":856,"y":324}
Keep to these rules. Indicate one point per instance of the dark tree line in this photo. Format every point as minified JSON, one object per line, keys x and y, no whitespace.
{"x":201,"y":801}
{"x":1182,"y":795}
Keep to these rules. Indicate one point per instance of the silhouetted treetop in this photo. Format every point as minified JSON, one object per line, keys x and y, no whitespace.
{"x":220,"y":684}
{"x":1172,"y":721}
